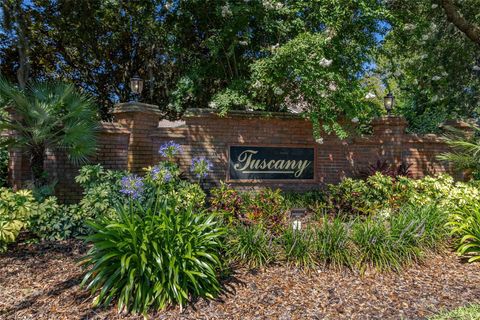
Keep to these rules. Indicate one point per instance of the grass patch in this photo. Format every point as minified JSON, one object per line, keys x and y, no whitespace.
{"x":470,"y":312}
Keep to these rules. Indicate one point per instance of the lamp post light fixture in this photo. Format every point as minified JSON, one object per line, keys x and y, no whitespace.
{"x":389,"y":102}
{"x":136,"y":85}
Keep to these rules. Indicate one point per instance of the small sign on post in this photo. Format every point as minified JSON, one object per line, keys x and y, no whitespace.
{"x":297,"y":213}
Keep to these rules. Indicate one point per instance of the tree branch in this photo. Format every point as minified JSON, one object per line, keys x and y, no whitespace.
{"x":454,"y":16}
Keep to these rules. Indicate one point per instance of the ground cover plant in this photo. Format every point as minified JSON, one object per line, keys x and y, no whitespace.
{"x":15,"y":211}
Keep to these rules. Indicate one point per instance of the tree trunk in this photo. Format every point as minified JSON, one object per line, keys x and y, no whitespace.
{"x":471,"y":30}
{"x":15,"y":12}
{"x":37,"y":160}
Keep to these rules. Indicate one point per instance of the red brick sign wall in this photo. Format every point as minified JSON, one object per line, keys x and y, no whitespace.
{"x":133,"y":140}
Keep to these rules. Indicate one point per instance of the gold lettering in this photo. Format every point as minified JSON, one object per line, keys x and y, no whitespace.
{"x":279,"y":164}
{"x":246,"y":162}
{"x":302,"y":165}
{"x":245,"y":156}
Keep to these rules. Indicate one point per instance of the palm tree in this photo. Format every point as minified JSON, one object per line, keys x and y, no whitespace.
{"x":465,"y":154}
{"x":48,"y":116}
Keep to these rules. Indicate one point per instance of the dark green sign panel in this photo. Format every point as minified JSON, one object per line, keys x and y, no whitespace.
{"x":271,"y":163}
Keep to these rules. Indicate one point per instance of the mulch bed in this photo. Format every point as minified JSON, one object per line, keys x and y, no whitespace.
{"x":41,"y":281}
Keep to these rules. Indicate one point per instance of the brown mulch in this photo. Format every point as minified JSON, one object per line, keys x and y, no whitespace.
{"x":41,"y":281}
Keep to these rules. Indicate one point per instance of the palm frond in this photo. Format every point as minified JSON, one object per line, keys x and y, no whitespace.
{"x":50,"y":115}
{"x":465,"y":152}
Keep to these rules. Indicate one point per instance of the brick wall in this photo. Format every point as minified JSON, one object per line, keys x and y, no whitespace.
{"x":133,"y":140}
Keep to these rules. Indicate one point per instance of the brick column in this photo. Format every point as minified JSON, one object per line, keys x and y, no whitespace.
{"x":390,"y":130}
{"x":141,"y":119}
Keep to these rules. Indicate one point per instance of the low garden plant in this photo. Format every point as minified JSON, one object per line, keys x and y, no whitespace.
{"x":465,"y":224}
{"x":54,"y":221}
{"x":15,"y":211}
{"x":154,"y":256}
{"x":298,"y":248}
{"x":266,"y":207}
{"x":332,"y":244}
{"x":401,"y":221}
{"x":250,"y":245}
{"x":159,"y":247}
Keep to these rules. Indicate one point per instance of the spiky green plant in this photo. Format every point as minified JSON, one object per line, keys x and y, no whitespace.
{"x":332,"y":244}
{"x":298,"y":247}
{"x":251,"y":246}
{"x":153,"y":257}
{"x":375,"y":246}
{"x":48,"y":115}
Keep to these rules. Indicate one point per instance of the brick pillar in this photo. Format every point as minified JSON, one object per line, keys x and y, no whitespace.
{"x":464,"y":127}
{"x":141,"y":119}
{"x":391,"y":131}
{"x":387,"y":126}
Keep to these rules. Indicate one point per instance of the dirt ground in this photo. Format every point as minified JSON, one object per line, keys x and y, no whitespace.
{"x":41,"y":281}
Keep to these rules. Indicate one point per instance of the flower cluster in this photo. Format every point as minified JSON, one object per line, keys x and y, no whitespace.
{"x":170,"y":149}
{"x":200,"y":167}
{"x":159,"y":173}
{"x":132,"y":186}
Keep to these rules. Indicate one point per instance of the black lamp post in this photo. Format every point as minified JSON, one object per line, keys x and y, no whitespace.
{"x":136,"y":85}
{"x":388,"y":102}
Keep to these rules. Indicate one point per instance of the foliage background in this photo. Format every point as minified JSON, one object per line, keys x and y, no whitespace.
{"x":321,"y":57}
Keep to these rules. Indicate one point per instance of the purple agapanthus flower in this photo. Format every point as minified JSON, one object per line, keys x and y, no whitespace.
{"x":155,"y":172}
{"x":167,"y":177}
{"x":200,"y":167}
{"x":158,"y":173}
{"x":132,"y":186}
{"x":170,"y":149}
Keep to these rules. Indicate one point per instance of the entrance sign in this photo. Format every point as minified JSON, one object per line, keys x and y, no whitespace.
{"x":271,"y":163}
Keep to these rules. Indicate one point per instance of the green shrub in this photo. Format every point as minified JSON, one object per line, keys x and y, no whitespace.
{"x":298,"y":247}
{"x":466,"y":225}
{"x":100,"y":190}
{"x":310,"y":199}
{"x":406,"y":231}
{"x":380,"y":194}
{"x":353,"y":197}
{"x":15,"y":211}
{"x":164,"y":179}
{"x":251,"y":246}
{"x":435,"y":234}
{"x":228,"y":202}
{"x":189,"y":194}
{"x":153,"y":256}
{"x":53,"y":221}
{"x":332,"y":244}
{"x":267,"y":208}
